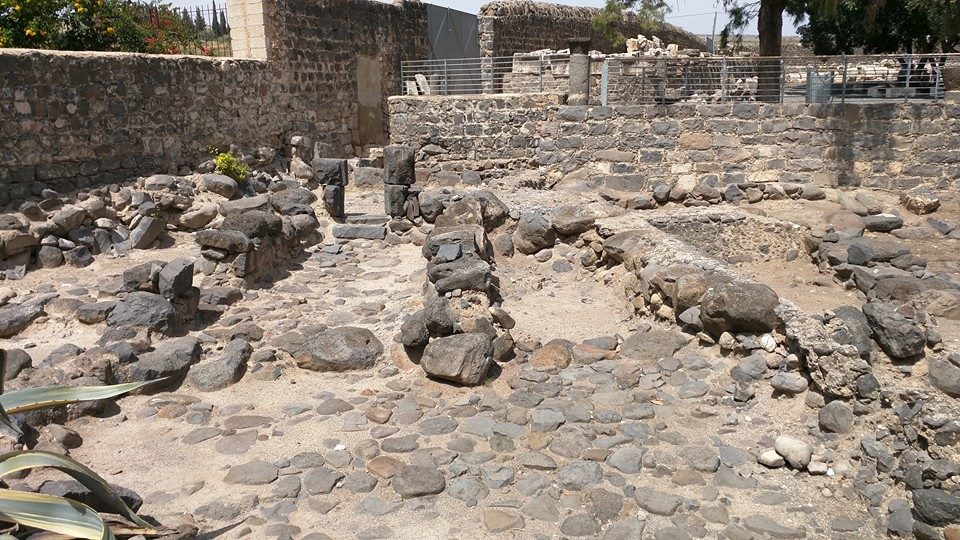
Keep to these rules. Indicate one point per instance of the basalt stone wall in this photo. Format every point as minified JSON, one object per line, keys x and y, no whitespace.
{"x":70,"y":120}
{"x":340,"y":60}
{"x":889,"y":145}
{"x":522,"y":26}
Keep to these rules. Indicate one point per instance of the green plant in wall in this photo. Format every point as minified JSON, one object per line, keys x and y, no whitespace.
{"x":229,"y":165}
{"x":47,"y":512}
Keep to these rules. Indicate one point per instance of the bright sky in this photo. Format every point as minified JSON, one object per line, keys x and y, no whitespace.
{"x":693,"y":15}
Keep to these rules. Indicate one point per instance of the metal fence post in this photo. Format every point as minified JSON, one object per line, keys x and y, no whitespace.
{"x":446,"y":78}
{"x":540,"y":72}
{"x":723,"y":81}
{"x":906,"y":90}
{"x":783,"y":78}
{"x":663,"y":84}
{"x":843,"y":85}
{"x":643,"y":84}
{"x":605,"y":82}
{"x":937,"y":73}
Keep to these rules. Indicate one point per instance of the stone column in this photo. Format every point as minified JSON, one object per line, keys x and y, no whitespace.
{"x":332,"y":175}
{"x":578,"y":92}
{"x":951,"y":83}
{"x":399,"y":174}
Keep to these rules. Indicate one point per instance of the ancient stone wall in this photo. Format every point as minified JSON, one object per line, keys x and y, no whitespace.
{"x":70,"y":120}
{"x":522,"y":26}
{"x":331,"y":53}
{"x":889,"y":145}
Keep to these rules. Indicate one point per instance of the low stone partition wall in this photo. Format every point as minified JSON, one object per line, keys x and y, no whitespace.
{"x":888,"y":145}
{"x":256,"y":236}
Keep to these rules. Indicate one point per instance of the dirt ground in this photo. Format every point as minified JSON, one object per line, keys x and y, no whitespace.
{"x":149,"y":443}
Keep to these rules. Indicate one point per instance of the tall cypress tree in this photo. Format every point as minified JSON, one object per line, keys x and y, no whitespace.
{"x":198,"y":20}
{"x":214,"y":20}
{"x":223,"y":21}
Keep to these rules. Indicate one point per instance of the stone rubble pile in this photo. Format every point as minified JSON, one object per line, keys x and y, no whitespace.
{"x":856,"y":249}
{"x":256,"y":233}
{"x":831,"y":359}
{"x":462,"y":328}
{"x":688,"y":191}
{"x":107,"y":221}
{"x":653,"y":46}
{"x":148,"y":303}
{"x":58,"y":230}
{"x":639,"y":46}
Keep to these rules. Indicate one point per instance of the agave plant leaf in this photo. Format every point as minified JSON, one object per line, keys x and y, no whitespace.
{"x":54,"y":514}
{"x":4,"y":417}
{"x":3,"y":368}
{"x":29,"y":399}
{"x":18,"y":461}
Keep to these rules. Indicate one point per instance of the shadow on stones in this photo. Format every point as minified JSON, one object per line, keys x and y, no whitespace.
{"x":165,"y":241}
{"x":219,"y":533}
{"x":268,"y":280}
{"x":414,"y":353}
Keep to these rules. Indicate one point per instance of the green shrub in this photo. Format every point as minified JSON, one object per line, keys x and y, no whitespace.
{"x":94,"y":25}
{"x":229,"y":165}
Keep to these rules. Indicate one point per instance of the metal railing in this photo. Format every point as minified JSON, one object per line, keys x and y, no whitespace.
{"x":488,"y":75}
{"x":206,"y":30}
{"x":665,"y":80}
{"x":814,"y":79}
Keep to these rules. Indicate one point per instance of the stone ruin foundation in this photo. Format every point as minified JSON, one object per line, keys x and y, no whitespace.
{"x":365,"y":353}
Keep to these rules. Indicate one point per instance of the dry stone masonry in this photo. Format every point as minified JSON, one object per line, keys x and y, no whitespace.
{"x":634,"y":147}
{"x":423,"y":374}
{"x":521,"y":318}
{"x":461,"y":308}
{"x":399,"y":174}
{"x":74,"y":120}
{"x":256,"y":234}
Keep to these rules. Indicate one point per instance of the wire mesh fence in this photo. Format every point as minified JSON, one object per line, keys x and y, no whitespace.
{"x":488,"y":75}
{"x":665,"y":80}
{"x":206,"y":30}
{"x":775,"y":79}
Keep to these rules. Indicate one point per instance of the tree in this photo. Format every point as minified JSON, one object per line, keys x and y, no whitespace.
{"x":887,"y":26}
{"x":214,"y":20}
{"x":769,"y":15}
{"x":224,"y":27}
{"x":648,"y":12}
{"x":94,"y":25}
{"x":198,"y":20}
{"x":187,"y":21}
